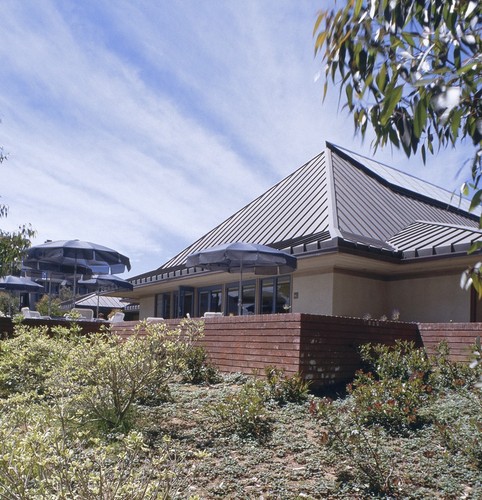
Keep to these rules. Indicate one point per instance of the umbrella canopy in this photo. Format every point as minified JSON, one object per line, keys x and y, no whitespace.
{"x":19,"y":283}
{"x":239,"y":257}
{"x":106,"y":281}
{"x":97,"y":258}
{"x":79,"y":254}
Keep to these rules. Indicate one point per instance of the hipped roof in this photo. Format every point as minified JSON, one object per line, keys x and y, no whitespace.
{"x":341,"y":199}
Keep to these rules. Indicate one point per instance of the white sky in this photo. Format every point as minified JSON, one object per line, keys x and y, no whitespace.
{"x":141,"y":125}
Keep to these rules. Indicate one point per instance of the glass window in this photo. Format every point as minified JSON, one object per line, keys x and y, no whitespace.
{"x":248,"y":302}
{"x":232,"y":299}
{"x":275,"y":295}
{"x":283,"y":294}
{"x":210,"y":300}
{"x":163,"y":305}
{"x":267,"y":294}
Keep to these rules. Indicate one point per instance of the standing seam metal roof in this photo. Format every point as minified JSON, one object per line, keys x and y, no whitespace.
{"x":341,"y":196}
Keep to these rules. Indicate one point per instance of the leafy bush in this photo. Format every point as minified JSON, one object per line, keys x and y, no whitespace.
{"x":404,"y":390}
{"x":404,"y":379}
{"x":28,"y":360}
{"x":9,"y":304}
{"x":244,"y":412}
{"x":198,"y":369}
{"x":284,"y":389}
{"x":40,"y":460}
{"x":117,"y":374}
{"x":48,"y":306}
{"x":365,"y":448}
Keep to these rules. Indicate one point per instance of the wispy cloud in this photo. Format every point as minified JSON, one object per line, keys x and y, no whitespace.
{"x":141,"y":125}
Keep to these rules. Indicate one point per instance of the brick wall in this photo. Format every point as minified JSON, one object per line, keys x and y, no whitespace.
{"x":460,"y":337}
{"x":329,"y":345}
{"x":322,"y":348}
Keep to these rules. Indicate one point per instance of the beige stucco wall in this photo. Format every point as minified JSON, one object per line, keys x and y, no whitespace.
{"x":358,"y":296}
{"x":431,"y":299}
{"x":147,"y":307}
{"x":313,"y":293}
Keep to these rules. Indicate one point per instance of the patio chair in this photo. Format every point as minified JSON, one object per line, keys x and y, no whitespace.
{"x":117,"y":317}
{"x":27,"y":313}
{"x":212,"y":314}
{"x":85,"y":314}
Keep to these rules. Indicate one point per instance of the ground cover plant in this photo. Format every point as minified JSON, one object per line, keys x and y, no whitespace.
{"x":148,"y":418}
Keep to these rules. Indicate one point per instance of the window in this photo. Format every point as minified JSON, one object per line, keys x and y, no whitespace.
{"x":276,"y":295}
{"x":163,"y":305}
{"x":248,"y":298}
{"x":210,"y":300}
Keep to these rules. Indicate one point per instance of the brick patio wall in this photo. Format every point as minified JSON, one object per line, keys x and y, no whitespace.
{"x":323,"y":348}
{"x":329,"y":345}
{"x":460,"y":337}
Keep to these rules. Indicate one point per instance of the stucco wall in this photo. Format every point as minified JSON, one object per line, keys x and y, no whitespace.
{"x":431,"y":299}
{"x":147,"y":307}
{"x":313,"y":294}
{"x":358,"y":296}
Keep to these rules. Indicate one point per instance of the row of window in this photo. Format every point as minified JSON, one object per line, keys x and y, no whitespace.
{"x":264,"y":296}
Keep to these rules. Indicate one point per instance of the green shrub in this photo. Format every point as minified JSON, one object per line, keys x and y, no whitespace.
{"x":244,"y":412}
{"x":48,"y":306}
{"x":113,"y":375}
{"x":402,"y":380}
{"x":364,"y":448}
{"x":28,"y":360}
{"x":198,"y":369}
{"x":390,"y":402}
{"x":9,"y":304}
{"x":284,"y":389}
{"x":40,"y":460}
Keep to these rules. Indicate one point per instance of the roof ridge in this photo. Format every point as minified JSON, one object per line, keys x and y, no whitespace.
{"x":333,"y":226}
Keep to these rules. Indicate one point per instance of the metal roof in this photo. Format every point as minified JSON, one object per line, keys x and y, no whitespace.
{"x":422,"y":239}
{"x":336,"y":199}
{"x":104,"y":301}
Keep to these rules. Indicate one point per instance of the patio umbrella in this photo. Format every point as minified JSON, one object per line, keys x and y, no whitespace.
{"x":102,"y":281}
{"x":239,"y":257}
{"x":77,"y":253}
{"x":19,"y":284}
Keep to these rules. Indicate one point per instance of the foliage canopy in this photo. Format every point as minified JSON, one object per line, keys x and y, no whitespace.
{"x":411,"y":69}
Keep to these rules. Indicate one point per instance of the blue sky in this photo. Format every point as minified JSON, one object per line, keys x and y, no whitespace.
{"x":141,"y":125}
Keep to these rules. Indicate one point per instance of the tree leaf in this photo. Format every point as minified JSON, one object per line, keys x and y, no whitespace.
{"x":390,"y":104}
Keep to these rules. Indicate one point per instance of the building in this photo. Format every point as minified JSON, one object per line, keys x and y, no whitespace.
{"x":371,"y":241}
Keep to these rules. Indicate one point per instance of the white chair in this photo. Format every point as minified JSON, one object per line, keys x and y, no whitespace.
{"x":27,"y":313}
{"x":212,"y":314}
{"x":117,"y":317}
{"x":85,"y":314}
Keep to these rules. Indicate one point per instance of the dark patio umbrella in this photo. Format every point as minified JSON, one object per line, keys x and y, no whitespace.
{"x":19,"y":284}
{"x":239,"y":257}
{"x":77,"y":253}
{"x":106,"y":281}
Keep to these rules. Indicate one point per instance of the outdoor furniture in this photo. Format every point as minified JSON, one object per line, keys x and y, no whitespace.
{"x":27,"y":313}
{"x":117,"y":317}
{"x":211,"y":314}
{"x":85,"y":314}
